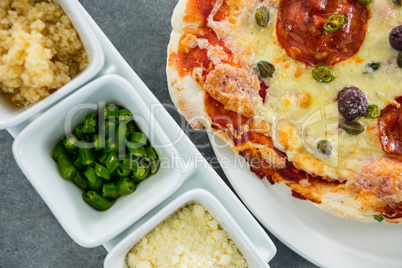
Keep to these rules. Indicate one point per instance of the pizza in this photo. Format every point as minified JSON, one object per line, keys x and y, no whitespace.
{"x":309,"y":92}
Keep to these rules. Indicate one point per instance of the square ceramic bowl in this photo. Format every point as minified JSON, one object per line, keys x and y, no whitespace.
{"x":11,"y":115}
{"x":33,"y":148}
{"x":117,"y":256}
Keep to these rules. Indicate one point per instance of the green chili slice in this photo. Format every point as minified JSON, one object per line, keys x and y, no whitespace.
{"x":323,"y":74}
{"x":335,"y":22}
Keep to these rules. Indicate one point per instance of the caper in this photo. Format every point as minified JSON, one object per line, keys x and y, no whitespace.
{"x":265,"y":69}
{"x":372,"y":67}
{"x":399,"y":59}
{"x":372,"y":112}
{"x":324,"y":147}
{"x":352,"y":127}
{"x":262,"y":16}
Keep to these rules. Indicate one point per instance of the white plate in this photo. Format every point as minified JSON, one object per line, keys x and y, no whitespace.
{"x":316,"y":235}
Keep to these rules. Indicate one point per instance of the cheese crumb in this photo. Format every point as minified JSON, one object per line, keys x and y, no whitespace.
{"x":189,"y":238}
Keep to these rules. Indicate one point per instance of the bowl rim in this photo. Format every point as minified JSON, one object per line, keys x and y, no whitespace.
{"x":192,"y":196}
{"x":91,"y":44}
{"x":57,"y":111}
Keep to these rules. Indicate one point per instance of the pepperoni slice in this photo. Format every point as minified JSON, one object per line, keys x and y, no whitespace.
{"x":300,"y":30}
{"x":390,"y":127}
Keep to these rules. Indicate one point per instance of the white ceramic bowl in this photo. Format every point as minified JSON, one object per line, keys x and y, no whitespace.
{"x":32,"y":150}
{"x":117,"y":256}
{"x":11,"y":115}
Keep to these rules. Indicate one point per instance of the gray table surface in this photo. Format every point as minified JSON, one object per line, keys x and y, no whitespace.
{"x":30,"y":236}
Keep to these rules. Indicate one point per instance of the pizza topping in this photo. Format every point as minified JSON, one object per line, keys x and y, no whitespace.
{"x":300,"y":30}
{"x":233,"y":87}
{"x":352,"y":103}
{"x":365,"y":2}
{"x":265,"y":69}
{"x":372,"y":112}
{"x":399,"y":59}
{"x":390,"y":127}
{"x":395,"y":38}
{"x":378,"y":218}
{"x":261,"y":16}
{"x":352,"y":127}
{"x":335,"y":22}
{"x":371,"y":67}
{"x":324,"y":147}
{"x":323,"y":74}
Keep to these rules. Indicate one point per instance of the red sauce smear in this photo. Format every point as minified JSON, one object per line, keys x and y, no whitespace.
{"x":390,"y":128}
{"x":227,"y":121}
{"x":300,"y":30}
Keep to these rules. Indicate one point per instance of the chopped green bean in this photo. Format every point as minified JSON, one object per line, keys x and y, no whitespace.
{"x":141,"y":173}
{"x":70,"y":144}
{"x":125,"y":115}
{"x":101,"y":171}
{"x":96,"y":200}
{"x":139,"y":139}
{"x":90,"y":123}
{"x":130,"y":162}
{"x":86,"y":156}
{"x":125,"y":186}
{"x":58,"y":150}
{"x":79,"y":131}
{"x":102,"y":157}
{"x":76,"y":161}
{"x":108,"y":128}
{"x":112,"y":161}
{"x":122,"y":172}
{"x":94,"y":182}
{"x":80,"y":181}
{"x":137,"y":151}
{"x":66,"y":167}
{"x":109,"y":190}
{"x":112,"y":111}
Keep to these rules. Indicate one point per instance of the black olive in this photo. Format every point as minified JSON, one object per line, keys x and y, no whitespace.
{"x":397,"y":2}
{"x":352,"y":103}
{"x":395,"y":38}
{"x":399,"y":59}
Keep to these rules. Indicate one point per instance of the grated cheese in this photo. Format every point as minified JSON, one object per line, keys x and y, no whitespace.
{"x":189,"y":238}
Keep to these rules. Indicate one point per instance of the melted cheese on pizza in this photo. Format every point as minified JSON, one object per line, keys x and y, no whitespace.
{"x":302,"y":110}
